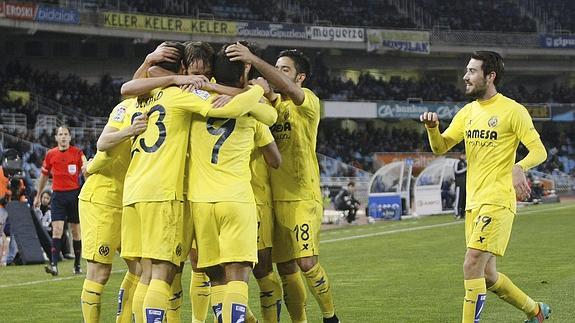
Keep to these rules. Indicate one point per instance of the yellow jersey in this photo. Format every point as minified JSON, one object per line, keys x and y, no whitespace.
{"x":108,"y":169}
{"x":295,"y":133}
{"x":492,"y":130}
{"x":259,"y":168}
{"x":220,"y":168}
{"x":157,"y":169}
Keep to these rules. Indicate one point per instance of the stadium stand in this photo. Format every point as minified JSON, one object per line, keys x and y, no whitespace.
{"x":509,"y":16}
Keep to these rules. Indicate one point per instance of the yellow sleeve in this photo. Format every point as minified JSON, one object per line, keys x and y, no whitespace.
{"x":441,"y":142}
{"x":263,"y":136}
{"x":239,"y":105}
{"x":101,"y":160}
{"x":264,"y":113}
{"x":537,"y":154}
{"x":119,"y":114}
{"x":310,"y":105}
{"x":522,"y":125}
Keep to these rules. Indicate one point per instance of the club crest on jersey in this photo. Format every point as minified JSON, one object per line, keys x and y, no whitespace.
{"x":119,"y":114}
{"x":72,"y":169}
{"x":104,"y":250}
{"x":492,"y":123}
{"x":204,"y":95}
{"x":286,"y":115}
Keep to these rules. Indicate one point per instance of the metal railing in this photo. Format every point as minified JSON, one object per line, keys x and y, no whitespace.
{"x":13,"y":121}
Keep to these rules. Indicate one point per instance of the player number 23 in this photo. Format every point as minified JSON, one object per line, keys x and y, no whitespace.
{"x":161,"y":130}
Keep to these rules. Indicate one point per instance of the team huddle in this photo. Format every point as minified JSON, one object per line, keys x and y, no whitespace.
{"x":207,"y":161}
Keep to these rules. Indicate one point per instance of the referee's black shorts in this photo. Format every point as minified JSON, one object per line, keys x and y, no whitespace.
{"x":65,"y":206}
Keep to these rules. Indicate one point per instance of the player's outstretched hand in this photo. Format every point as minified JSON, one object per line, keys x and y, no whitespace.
{"x":221,"y":100}
{"x":162,"y":53}
{"x":140,"y":125}
{"x":263,"y":83}
{"x":85,"y":168}
{"x":522,"y":189}
{"x":192,"y":82}
{"x":37,"y":201}
{"x":239,"y":52}
{"x":430,"y":119}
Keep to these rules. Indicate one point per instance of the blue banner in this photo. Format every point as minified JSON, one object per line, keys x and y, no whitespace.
{"x":557,"y":41}
{"x":386,"y":207}
{"x":390,"y":109}
{"x":271,"y":30}
{"x":59,"y":15}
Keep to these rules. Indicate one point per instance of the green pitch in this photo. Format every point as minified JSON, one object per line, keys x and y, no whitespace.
{"x":406,"y":271}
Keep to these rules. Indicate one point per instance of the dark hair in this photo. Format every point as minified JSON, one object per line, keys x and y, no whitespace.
{"x":491,"y":62}
{"x":198,"y":50}
{"x":301,"y":62}
{"x":227,"y":72}
{"x":352,"y":184}
{"x":173,"y":66}
{"x":63,"y":127}
{"x":46,"y":192}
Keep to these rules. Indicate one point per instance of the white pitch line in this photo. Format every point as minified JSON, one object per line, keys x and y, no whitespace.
{"x":424,"y":227}
{"x":52,"y":280}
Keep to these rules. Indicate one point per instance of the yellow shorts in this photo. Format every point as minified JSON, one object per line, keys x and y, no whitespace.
{"x":265,"y":226}
{"x":296,"y":231}
{"x":225,"y":232}
{"x":157,"y":230}
{"x":488,"y":228}
{"x":100,"y":226}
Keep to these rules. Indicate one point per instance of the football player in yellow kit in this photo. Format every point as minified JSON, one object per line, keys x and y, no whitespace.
{"x":296,"y":183}
{"x":100,"y":209}
{"x":492,"y":127}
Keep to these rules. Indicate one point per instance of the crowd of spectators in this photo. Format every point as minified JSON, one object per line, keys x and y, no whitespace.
{"x":559,"y":13}
{"x":68,"y":90}
{"x":483,"y":15}
{"x":372,"y":88}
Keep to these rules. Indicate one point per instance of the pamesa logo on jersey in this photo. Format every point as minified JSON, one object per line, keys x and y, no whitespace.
{"x":484,"y":133}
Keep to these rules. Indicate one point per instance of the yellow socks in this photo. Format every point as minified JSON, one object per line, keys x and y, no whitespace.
{"x":217,"y":299}
{"x":125,"y":297}
{"x":318,"y":284}
{"x":270,"y":297}
{"x":156,"y":301}
{"x":138,"y":302}
{"x":294,"y":296}
{"x":474,"y":300}
{"x":507,"y":291}
{"x":91,"y":299}
{"x":175,"y":301}
{"x":235,"y":304}
{"x":200,"y":296}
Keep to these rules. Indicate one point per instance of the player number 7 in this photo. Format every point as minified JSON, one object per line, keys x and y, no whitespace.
{"x":224,"y":131}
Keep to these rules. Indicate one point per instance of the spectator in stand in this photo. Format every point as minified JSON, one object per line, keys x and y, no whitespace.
{"x":43,"y":222}
{"x":64,"y":162}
